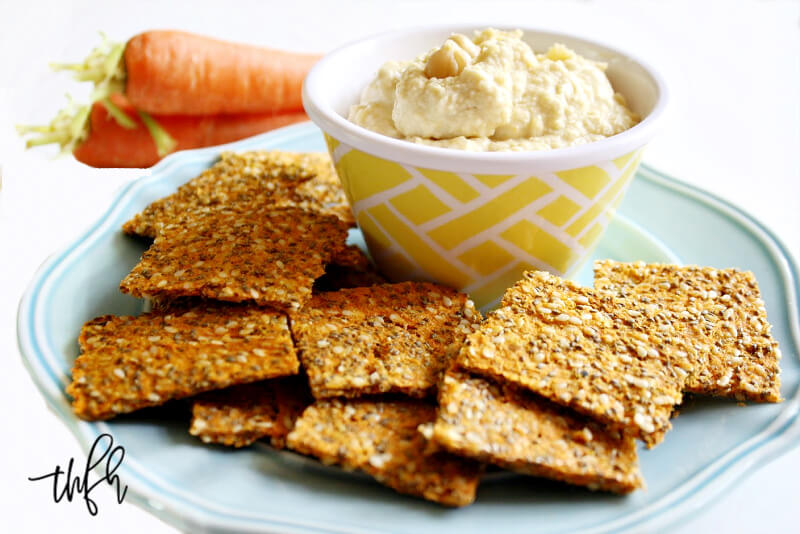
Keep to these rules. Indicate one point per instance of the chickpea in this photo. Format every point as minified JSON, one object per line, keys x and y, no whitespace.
{"x":455,"y":54}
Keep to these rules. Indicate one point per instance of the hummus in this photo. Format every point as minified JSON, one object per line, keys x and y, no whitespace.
{"x":493,"y":93}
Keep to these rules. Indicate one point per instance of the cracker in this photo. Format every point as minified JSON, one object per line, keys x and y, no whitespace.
{"x":258,"y":178}
{"x":128,"y":363}
{"x":388,"y":338}
{"x":271,"y":257}
{"x":555,"y":338}
{"x":381,"y":439}
{"x":239,"y":415}
{"x":719,"y":310}
{"x":507,"y":426}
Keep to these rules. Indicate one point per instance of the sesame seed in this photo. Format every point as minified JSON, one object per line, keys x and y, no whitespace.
{"x":426,"y":429}
{"x":725,"y":380}
{"x":645,"y":422}
{"x":379,"y":460}
{"x":198,"y":425}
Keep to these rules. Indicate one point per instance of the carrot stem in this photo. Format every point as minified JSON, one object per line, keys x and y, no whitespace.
{"x":104,"y":65}
{"x":105,"y":68}
{"x":165,"y":143}
{"x":48,"y":138}
{"x":120,"y":116}
{"x":69,"y":128}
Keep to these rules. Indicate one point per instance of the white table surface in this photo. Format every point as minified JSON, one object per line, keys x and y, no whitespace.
{"x":734,"y":69}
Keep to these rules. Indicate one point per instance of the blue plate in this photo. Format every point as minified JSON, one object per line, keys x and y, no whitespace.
{"x":200,"y":488}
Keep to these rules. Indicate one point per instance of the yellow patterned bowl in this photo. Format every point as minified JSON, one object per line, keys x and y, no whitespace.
{"x":476,"y":220}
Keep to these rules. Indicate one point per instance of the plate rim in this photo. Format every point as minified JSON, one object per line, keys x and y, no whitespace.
{"x":175,"y":506}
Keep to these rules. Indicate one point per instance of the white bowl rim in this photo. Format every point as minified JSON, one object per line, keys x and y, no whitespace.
{"x":320,"y":111}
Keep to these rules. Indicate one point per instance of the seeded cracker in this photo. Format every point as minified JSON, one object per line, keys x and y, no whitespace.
{"x":553,"y":338}
{"x":270,"y":257}
{"x":258,"y":178}
{"x":388,"y":338}
{"x":381,"y":439}
{"x":510,"y":427}
{"x":239,"y":415}
{"x":128,"y":363}
{"x":719,"y":310}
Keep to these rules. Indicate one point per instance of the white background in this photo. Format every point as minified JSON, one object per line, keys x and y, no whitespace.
{"x":734,"y":68}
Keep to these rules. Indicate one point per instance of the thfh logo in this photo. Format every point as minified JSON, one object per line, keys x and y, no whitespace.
{"x":71,"y":484}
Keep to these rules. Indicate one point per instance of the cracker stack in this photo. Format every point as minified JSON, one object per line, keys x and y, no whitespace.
{"x":278,"y":330}
{"x":560,"y":380}
{"x":256,"y":230}
{"x":557,"y":340}
{"x":254,"y":237}
{"x":396,"y":339}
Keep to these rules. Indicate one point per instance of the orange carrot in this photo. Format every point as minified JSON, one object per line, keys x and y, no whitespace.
{"x":178,"y":73}
{"x":203,"y":92}
{"x":109,"y":144}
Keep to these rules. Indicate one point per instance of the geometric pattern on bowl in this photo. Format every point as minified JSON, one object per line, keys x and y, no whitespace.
{"x":477,"y":232}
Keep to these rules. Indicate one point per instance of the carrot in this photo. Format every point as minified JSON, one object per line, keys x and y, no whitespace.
{"x":202,"y":92}
{"x":109,"y":144}
{"x":174,"y":72}
{"x":167,"y":72}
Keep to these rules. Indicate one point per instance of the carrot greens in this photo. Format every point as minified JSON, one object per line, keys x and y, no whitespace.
{"x":105,"y":68}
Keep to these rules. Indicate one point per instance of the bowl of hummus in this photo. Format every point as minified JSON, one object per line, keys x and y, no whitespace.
{"x":470,"y":155}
